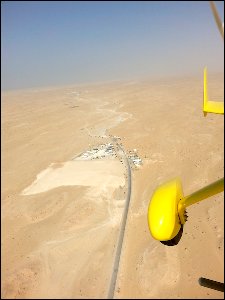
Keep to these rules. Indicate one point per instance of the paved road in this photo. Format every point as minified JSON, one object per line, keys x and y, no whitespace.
{"x":122,"y":228}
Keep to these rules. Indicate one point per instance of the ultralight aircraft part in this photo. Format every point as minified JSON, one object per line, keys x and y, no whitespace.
{"x":215,"y":107}
{"x":167,"y":208}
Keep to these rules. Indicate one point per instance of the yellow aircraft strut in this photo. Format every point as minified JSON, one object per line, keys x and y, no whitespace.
{"x":210,"y":106}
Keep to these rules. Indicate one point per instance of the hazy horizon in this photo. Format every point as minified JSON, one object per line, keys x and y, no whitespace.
{"x":64,"y":43}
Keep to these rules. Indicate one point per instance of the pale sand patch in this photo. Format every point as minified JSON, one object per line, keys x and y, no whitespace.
{"x":66,"y":253}
{"x":104,"y":173}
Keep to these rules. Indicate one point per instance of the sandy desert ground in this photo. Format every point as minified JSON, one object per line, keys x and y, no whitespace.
{"x":61,"y":215}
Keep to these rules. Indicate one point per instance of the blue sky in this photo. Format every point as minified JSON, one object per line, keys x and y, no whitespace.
{"x":47,"y":43}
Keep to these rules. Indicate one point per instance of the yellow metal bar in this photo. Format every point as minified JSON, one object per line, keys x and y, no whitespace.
{"x":206,"y":192}
{"x":215,"y":107}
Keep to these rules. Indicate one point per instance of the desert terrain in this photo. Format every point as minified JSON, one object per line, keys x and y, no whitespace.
{"x":65,"y":185}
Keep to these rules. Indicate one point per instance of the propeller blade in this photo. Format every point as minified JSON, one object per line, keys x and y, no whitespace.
{"x":217,"y":18}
